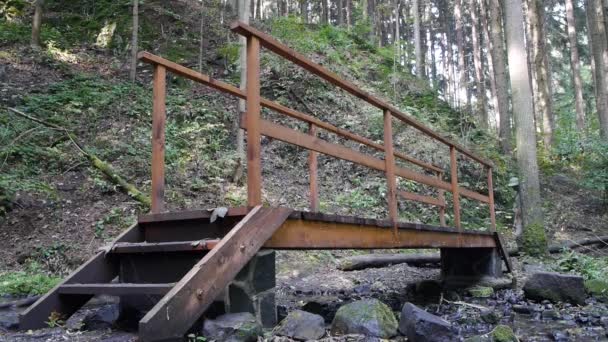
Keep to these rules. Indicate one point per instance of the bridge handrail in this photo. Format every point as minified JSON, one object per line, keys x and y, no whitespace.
{"x":256,"y":126}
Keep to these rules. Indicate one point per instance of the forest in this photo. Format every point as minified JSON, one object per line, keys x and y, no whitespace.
{"x":520,"y":83}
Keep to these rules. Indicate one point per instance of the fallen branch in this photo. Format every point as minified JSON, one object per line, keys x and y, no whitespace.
{"x":99,"y":164}
{"x":360,"y":262}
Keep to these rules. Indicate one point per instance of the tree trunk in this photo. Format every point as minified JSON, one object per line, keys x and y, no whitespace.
{"x":542,"y":104}
{"x":534,"y":241}
{"x":325,"y":10}
{"x":417,"y":40}
{"x":575,"y":66}
{"x":340,"y":12}
{"x":489,"y":60}
{"x":258,"y":9}
{"x":304,"y":10}
{"x":37,"y":24}
{"x":482,"y":102}
{"x":240,"y":138}
{"x":462,"y":78}
{"x":349,"y":13}
{"x":500,"y":75}
{"x":599,"y":44}
{"x":134,"y":43}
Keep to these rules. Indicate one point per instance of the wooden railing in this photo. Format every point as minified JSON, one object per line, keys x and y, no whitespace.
{"x":256,"y":127}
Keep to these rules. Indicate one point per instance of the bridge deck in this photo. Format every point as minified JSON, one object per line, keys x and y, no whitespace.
{"x":307,"y":230}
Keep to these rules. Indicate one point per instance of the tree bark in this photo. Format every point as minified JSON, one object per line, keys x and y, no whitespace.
{"x":534,"y":241}
{"x":37,"y":24}
{"x":304,"y":10}
{"x":485,"y":24}
{"x":542,"y":104}
{"x":203,"y":39}
{"x":240,"y":137}
{"x":575,"y":67}
{"x":134,"y":42}
{"x":482,"y":102}
{"x":462,"y":78}
{"x":417,"y":40}
{"x":500,"y":75}
{"x":599,"y":48}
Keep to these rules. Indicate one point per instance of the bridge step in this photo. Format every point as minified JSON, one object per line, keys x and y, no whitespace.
{"x":162,"y":247}
{"x":115,"y":289}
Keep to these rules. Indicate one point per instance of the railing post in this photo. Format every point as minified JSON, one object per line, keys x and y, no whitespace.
{"x":254,"y":168}
{"x":312,"y":166}
{"x":455,"y":191}
{"x":491,"y":197}
{"x":441,"y":196}
{"x":389,"y":159}
{"x":158,"y":138}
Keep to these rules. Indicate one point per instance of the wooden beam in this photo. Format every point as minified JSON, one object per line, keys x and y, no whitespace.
{"x":455,"y":188}
{"x":175,"y":313}
{"x":391,"y":179}
{"x":312,"y":171}
{"x":158,"y":139}
{"x":307,"y":234}
{"x":275,"y":46}
{"x":164,"y":247}
{"x":254,"y":161}
{"x":421,"y":198}
{"x":115,"y":289}
{"x":441,"y":196}
{"x":188,"y":215}
{"x":491,"y":199}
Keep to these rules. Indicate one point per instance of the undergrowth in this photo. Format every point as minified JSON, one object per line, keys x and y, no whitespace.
{"x":32,"y":281}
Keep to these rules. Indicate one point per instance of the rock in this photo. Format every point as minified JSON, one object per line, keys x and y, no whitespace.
{"x":503,"y":333}
{"x":233,"y":327}
{"x":325,"y":306}
{"x":480,"y":291}
{"x":102,"y":317}
{"x":555,"y":287}
{"x":421,"y":326}
{"x":301,"y":325}
{"x":597,"y":288}
{"x":369,"y":317}
{"x":9,"y":320}
{"x":522,"y":309}
{"x":550,"y":314}
{"x":489,"y":316}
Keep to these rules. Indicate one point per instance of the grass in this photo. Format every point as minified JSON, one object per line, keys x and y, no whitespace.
{"x":28,"y":282}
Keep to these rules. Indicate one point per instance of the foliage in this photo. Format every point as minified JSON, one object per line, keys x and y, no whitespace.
{"x":10,"y":9}
{"x":28,"y":282}
{"x":585,"y":265}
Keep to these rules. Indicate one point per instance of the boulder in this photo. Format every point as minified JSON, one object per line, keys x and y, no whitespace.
{"x":555,"y":287}
{"x":301,"y":325}
{"x":9,"y":321}
{"x":233,"y":327}
{"x":489,"y":316}
{"x":368,"y":317}
{"x":103,"y":317}
{"x":421,"y":326}
{"x":502,"y":333}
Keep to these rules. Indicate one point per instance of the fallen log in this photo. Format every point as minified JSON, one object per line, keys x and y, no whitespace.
{"x":360,"y":262}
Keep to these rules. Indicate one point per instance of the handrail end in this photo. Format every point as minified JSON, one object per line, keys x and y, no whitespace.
{"x":240,"y":27}
{"x":145,"y":56}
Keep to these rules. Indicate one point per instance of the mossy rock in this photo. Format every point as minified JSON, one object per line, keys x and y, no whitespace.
{"x":480,"y":291}
{"x":368,"y":317}
{"x":597,"y":288}
{"x":503,"y":333}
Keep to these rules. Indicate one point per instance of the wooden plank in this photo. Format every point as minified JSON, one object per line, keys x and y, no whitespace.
{"x":187,"y":215}
{"x":491,"y":200}
{"x":115,"y":289}
{"x":254,"y":161}
{"x":441,"y":195}
{"x":422,"y":198}
{"x":185,"y":303}
{"x":234,"y":91}
{"x":312,"y":171}
{"x":158,"y":138}
{"x":502,"y":249}
{"x":98,"y":269}
{"x":391,"y":179}
{"x":307,"y":234}
{"x":455,"y":189}
{"x":275,"y":46}
{"x":163,"y":247}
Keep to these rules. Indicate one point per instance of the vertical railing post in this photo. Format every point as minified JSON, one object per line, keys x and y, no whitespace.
{"x":389,"y":158}
{"x":491,"y":199}
{"x":455,"y":191}
{"x":441,"y":195}
{"x":254,"y":168}
{"x":158,"y":138}
{"x":312,"y":167}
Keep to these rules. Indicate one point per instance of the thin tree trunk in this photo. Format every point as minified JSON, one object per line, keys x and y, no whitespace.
{"x":500,"y":74}
{"x":304,"y":10}
{"x":340,"y":11}
{"x":134,"y":43}
{"x":203,"y":39}
{"x":258,"y":9}
{"x":240,"y":138}
{"x":481,"y":110}
{"x":37,"y":23}
{"x":543,"y":104}
{"x":462,"y":78}
{"x":483,"y":17}
{"x":417,"y":40}
{"x":575,"y":66}
{"x":599,"y":44}
{"x":534,"y":241}
{"x":325,"y":12}
{"x":349,"y":13}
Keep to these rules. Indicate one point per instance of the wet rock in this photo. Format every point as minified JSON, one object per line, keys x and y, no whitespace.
{"x":301,"y":325}
{"x":421,"y":326}
{"x":480,"y":291}
{"x":369,"y":317}
{"x":597,"y":288}
{"x":233,"y":327}
{"x":9,"y":320}
{"x":550,"y":314}
{"x":101,"y":318}
{"x":503,"y":333}
{"x":522,"y":309}
{"x":555,"y":287}
{"x":325,"y":306}
{"x":489,"y":316}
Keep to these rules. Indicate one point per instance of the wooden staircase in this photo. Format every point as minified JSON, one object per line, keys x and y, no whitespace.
{"x":182,"y":264}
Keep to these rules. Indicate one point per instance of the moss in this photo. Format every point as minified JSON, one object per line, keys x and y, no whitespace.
{"x":597,"y":287}
{"x":22,"y":283}
{"x":534,"y":239}
{"x":503,"y":333}
{"x":481,"y":291}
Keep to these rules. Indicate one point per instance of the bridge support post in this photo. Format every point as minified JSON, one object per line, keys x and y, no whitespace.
{"x":467,"y":265}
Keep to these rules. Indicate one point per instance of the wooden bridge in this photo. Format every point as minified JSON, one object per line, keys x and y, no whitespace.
{"x":183,"y":261}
